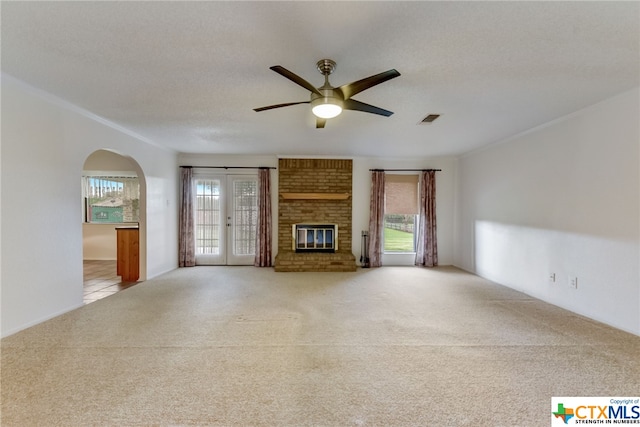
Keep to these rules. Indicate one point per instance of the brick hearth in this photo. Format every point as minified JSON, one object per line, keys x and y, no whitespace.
{"x":315,"y":191}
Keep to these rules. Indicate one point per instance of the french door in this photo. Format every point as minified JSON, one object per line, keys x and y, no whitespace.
{"x":226,"y":209}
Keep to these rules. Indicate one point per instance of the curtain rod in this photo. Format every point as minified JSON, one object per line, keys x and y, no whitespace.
{"x":405,"y":170}
{"x":230,"y":167}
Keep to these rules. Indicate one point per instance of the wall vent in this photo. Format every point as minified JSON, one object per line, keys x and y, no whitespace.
{"x":429,"y":119}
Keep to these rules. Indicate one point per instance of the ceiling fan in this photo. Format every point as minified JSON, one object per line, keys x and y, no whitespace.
{"x":328,"y":101}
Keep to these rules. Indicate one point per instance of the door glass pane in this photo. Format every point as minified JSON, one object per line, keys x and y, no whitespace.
{"x":245,"y":205}
{"x":208,"y":217}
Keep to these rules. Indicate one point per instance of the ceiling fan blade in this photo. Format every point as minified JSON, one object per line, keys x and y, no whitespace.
{"x":320,"y":123}
{"x":295,"y":78}
{"x":271,"y":107}
{"x":352,"y":104}
{"x":353,"y":88}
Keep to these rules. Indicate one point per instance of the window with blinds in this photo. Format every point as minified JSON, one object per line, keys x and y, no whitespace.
{"x":111,"y":199}
{"x":401,"y":194}
{"x":400,"y":212}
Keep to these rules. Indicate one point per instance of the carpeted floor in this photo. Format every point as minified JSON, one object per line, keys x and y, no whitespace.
{"x":242,"y":346}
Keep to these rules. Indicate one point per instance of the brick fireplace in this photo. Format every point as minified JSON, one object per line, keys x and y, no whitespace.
{"x":314,"y":192}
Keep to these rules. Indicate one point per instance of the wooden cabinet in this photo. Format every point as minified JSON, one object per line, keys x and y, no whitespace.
{"x":128,"y":253}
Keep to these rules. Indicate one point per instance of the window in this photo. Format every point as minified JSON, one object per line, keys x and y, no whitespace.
{"x":111,"y":198}
{"x":400,"y":213}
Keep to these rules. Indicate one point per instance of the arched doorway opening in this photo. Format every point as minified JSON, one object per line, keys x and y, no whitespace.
{"x":113,"y":196}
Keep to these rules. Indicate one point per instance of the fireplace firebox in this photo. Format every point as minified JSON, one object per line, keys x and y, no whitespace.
{"x":315,"y":237}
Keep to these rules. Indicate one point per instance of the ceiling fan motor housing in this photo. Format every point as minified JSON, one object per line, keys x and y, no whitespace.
{"x":329,"y":95}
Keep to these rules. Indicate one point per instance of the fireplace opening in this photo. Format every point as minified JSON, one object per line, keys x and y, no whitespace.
{"x":315,"y":237}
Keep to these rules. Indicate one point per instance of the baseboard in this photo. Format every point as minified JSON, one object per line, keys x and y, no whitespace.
{"x":464,"y":269}
{"x":161,"y":273}
{"x":38,"y":321}
{"x":556,"y":304}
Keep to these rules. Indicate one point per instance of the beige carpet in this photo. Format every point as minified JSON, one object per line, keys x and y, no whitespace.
{"x":242,"y":346}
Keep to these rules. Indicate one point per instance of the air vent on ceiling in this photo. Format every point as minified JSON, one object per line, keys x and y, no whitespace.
{"x":429,"y":119}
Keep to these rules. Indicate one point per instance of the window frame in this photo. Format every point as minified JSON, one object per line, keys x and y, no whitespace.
{"x":416,"y":222}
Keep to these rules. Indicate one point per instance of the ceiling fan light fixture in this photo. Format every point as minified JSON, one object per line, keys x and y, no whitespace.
{"x":328,"y":101}
{"x":326,"y":107}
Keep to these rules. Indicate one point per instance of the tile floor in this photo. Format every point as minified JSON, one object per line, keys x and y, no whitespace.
{"x":101,"y":280}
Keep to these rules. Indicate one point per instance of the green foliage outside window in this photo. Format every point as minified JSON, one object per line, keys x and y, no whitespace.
{"x":399,"y":233}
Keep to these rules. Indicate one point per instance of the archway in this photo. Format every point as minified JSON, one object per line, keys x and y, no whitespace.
{"x":104,"y":214}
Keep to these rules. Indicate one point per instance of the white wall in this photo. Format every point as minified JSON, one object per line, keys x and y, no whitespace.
{"x":44,"y":145}
{"x":563,"y":198}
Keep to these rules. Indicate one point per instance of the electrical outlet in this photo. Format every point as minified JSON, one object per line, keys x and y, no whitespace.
{"x":573,"y":282}
{"x":552,"y":277}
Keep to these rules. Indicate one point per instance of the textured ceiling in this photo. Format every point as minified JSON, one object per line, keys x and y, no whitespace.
{"x":187,"y":75}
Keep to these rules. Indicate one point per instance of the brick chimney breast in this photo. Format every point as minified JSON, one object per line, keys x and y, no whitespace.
{"x":315,"y":191}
